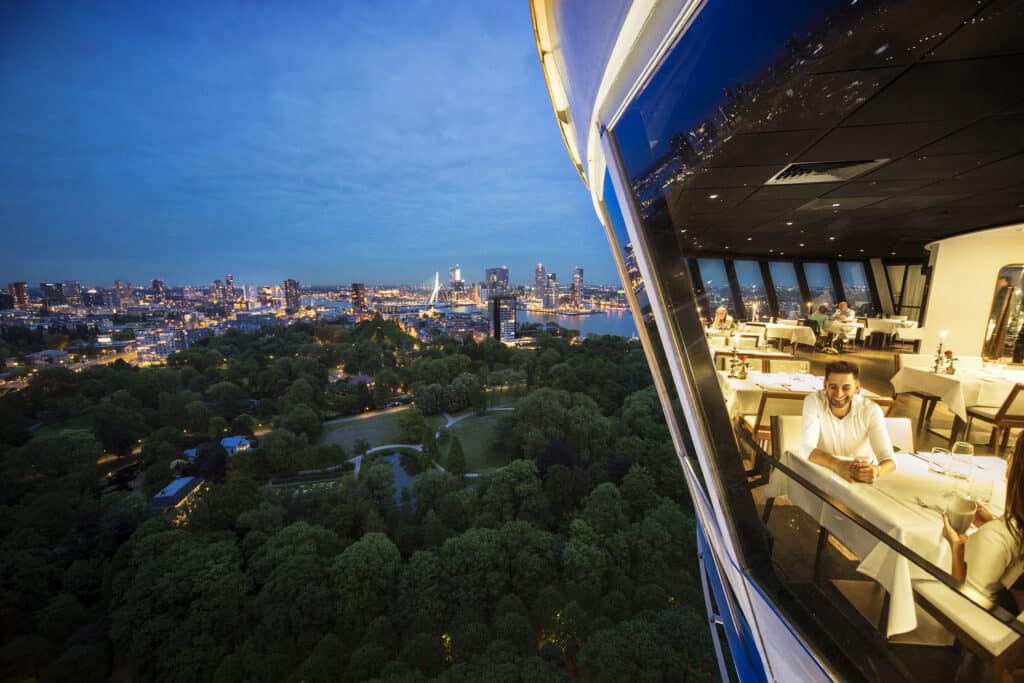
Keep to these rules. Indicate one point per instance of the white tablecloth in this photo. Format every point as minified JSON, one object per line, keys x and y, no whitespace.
{"x":891,"y":504}
{"x":888,"y":325}
{"x":963,"y":389}
{"x":743,"y":396}
{"x":790,"y":333}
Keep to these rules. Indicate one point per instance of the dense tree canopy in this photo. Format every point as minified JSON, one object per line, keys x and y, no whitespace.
{"x":573,"y":561}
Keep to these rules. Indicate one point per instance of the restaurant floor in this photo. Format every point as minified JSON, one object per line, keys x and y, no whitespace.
{"x":823,"y":592}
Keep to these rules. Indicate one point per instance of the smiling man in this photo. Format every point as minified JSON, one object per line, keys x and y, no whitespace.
{"x":843,"y":431}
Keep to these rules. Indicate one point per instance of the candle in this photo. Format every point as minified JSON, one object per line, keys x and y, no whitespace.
{"x":809,"y":308}
{"x":942,"y":335}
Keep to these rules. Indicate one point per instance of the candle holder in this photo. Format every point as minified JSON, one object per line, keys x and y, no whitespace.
{"x":940,"y":358}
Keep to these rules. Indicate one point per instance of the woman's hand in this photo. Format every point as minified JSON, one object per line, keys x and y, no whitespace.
{"x":982,"y":515}
{"x":950,"y":534}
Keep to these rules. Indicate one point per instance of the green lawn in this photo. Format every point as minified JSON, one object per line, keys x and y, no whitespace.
{"x":476,"y":433}
{"x":377,"y":428}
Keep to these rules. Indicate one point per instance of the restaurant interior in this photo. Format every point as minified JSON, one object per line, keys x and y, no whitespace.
{"x":856,"y":197}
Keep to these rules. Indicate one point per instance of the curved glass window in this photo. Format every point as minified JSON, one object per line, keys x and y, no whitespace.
{"x":855,"y":287}
{"x":716,"y":286}
{"x":819,"y":284}
{"x":787,"y":290}
{"x":755,"y":300}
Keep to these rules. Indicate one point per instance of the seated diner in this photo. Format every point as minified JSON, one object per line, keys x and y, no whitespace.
{"x":844,"y":432}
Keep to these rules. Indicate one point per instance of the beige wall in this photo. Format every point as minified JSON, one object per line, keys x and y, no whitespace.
{"x":962,"y":284}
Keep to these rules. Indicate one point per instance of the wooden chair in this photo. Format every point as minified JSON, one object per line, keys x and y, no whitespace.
{"x":785,"y":436}
{"x":886,"y":403}
{"x":901,"y":433}
{"x":928,"y":400}
{"x":788,"y":365}
{"x":749,"y":341}
{"x":772,"y":403}
{"x":1002,"y":418}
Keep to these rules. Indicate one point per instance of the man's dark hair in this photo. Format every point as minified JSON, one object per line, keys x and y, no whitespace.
{"x":841,"y":367}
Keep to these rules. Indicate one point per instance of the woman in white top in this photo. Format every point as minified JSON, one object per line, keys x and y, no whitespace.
{"x":992,"y":559}
{"x":722,"y":321}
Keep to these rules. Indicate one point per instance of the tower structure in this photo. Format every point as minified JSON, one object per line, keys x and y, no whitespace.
{"x":359,"y":300}
{"x":577,"y":288}
{"x":292,"y":301}
{"x":496,"y":280}
{"x":551,"y":291}
{"x":19,"y":292}
{"x":158,"y":290}
{"x":538,"y":281}
{"x":502,"y":317}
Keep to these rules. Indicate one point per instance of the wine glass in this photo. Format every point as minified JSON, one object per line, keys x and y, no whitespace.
{"x":962,"y":460}
{"x":937,"y":460}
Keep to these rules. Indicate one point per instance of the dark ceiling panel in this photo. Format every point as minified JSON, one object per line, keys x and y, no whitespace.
{"x":877,"y":188}
{"x":924,"y":167}
{"x":994,"y":30}
{"x":762,"y":148}
{"x":945,"y":90}
{"x":889,"y":34}
{"x":916,"y":201}
{"x":738,"y":176}
{"x":1000,"y":134}
{"x":1012,"y":167}
{"x":804,"y":191}
{"x":877,"y":142}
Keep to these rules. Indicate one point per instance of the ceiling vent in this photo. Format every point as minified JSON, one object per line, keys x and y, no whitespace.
{"x":823,"y":171}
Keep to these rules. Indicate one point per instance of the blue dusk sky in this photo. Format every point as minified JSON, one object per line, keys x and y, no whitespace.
{"x":330,"y":142}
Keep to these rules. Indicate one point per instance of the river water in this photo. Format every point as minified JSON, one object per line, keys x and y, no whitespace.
{"x":618,"y":322}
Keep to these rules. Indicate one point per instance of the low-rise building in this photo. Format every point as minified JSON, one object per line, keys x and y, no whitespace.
{"x":176,"y":494}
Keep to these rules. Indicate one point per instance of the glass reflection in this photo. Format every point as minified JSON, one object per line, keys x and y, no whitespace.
{"x":716,"y":286}
{"x":1004,"y":336}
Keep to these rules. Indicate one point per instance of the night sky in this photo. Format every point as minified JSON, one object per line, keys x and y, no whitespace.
{"x":330,"y":142}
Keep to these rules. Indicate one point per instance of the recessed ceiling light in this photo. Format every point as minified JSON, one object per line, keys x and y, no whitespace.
{"x":892,"y":253}
{"x":835,"y":204}
{"x":789,"y":222}
{"x":831,"y":239}
{"x":727,"y":247}
{"x":801,"y":244}
{"x":712,"y":196}
{"x":862,"y":251}
{"x":683,"y":231}
{"x":749,"y":239}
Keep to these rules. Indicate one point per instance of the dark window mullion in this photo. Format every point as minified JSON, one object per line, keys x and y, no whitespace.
{"x":801,"y":280}
{"x":837,"y":282}
{"x":876,"y":300}
{"x":737,"y":292}
{"x":769,"y":288}
{"x":698,"y":280}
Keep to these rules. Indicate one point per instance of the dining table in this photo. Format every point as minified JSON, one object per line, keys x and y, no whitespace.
{"x":743,"y":396}
{"x":966,"y":387}
{"x":906,"y":504}
{"x":793,"y":334}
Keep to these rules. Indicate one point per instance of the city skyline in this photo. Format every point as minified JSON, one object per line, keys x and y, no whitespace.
{"x":158,"y":143}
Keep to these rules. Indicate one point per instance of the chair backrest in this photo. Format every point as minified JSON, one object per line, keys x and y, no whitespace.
{"x":786,"y":434}
{"x":1012,"y":409}
{"x":969,"y":362}
{"x":778,"y":403}
{"x":788,"y":365}
{"x":921,"y":361}
{"x":749,"y":341}
{"x":813,"y":324}
{"x":901,"y":433}
{"x":886,"y":403}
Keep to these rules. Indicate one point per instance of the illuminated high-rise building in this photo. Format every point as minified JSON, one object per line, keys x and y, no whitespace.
{"x":72,"y":292}
{"x":496,"y":280}
{"x":359,"y":309}
{"x":456,"y":284}
{"x":123,"y":293}
{"x":6,"y":301}
{"x":577,"y":288}
{"x":53,"y":293}
{"x":538,"y":281}
{"x":229,"y":289}
{"x":502,"y":317}
{"x":266,"y":296}
{"x":19,"y":292}
{"x":454,"y":274}
{"x":158,"y":290}
{"x":551,"y":291}
{"x":292,"y":300}
{"x":92,"y":297}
